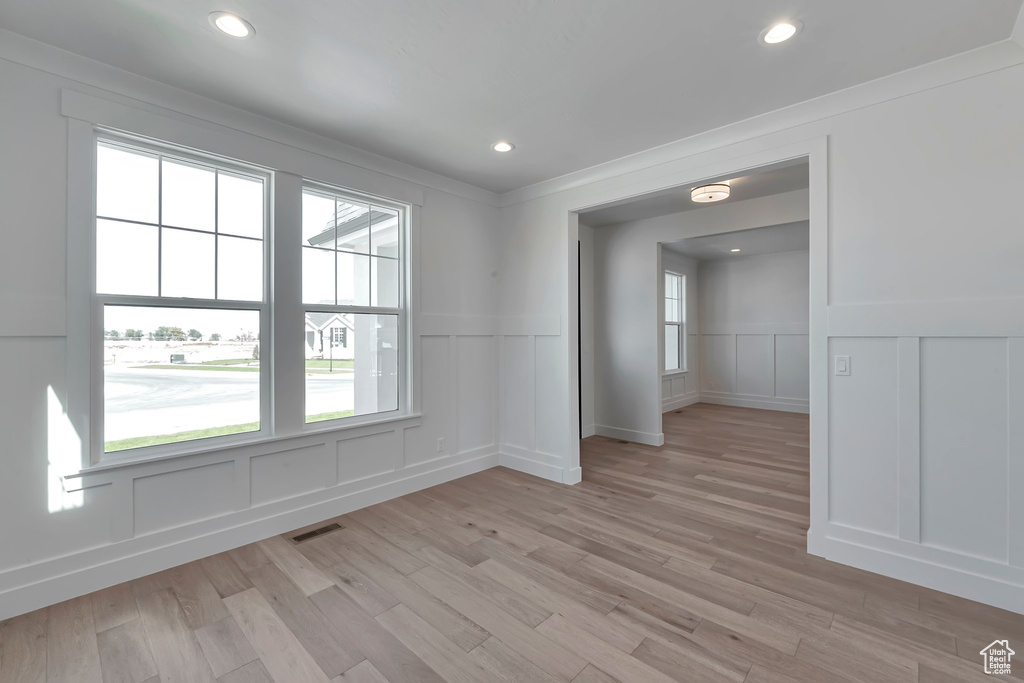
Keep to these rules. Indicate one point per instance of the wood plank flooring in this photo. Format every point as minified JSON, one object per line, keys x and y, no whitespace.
{"x":682,"y":563}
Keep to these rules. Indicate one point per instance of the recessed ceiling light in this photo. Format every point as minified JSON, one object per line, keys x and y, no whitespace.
{"x":503,"y":146}
{"x":780,"y":32}
{"x":734,"y":250}
{"x":710,"y":193}
{"x":232,"y":24}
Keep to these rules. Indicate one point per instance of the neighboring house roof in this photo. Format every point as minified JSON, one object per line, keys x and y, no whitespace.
{"x":321,"y":321}
{"x":348,"y":219}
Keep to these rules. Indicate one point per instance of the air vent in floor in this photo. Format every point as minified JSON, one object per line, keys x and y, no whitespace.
{"x":316,"y":532}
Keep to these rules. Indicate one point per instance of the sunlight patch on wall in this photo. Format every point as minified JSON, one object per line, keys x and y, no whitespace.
{"x":64,"y":453}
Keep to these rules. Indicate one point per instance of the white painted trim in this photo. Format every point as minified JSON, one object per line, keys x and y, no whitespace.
{"x":788,"y":405}
{"x":62,"y":578}
{"x":1015,"y":449}
{"x":588,"y":430}
{"x":959,"y":67}
{"x":964,"y":318}
{"x":646,"y":438}
{"x":974,"y":578}
{"x":908,"y":390}
{"x":677,"y":402}
{"x":712,"y":328}
{"x":103,"y":78}
{"x":536,"y":463}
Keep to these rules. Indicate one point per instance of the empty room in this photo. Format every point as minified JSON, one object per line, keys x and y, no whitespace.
{"x":533,"y":340}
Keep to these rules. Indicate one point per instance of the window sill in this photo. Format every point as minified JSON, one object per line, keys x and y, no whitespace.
{"x":673,"y":373}
{"x":111,"y":465}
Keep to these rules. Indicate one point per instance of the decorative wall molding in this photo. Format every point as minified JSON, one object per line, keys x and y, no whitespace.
{"x":959,"y":67}
{"x":44,"y":583}
{"x":102,"y":77}
{"x":973,"y":578}
{"x":953,"y":318}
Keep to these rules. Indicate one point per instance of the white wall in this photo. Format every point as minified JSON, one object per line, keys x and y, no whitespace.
{"x":629,"y":286}
{"x":60,"y":539}
{"x":916,"y":464}
{"x":681,"y":388}
{"x":754,"y":340}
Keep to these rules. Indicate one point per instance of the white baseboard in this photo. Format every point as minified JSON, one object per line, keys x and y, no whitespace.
{"x":670,"y":404}
{"x":966,"y":576}
{"x":588,"y":430}
{"x":647,"y":438}
{"x":543,"y":465}
{"x":63,"y":578}
{"x":789,"y":405}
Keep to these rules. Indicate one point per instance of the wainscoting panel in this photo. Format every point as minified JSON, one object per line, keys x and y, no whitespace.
{"x":757,"y":366}
{"x":963,"y":445}
{"x":929,"y":493}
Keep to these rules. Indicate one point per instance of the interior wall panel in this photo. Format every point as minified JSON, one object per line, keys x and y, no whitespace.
{"x":168,"y":500}
{"x":369,"y":455}
{"x":792,"y":366}
{"x":718,"y":369}
{"x":863,"y":463}
{"x":434,"y":378}
{"x":964,"y":445}
{"x":518,"y":368}
{"x":475,"y":392}
{"x":276,"y":476}
{"x":755,"y":364}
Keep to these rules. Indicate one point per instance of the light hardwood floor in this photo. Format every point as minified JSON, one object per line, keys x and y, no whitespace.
{"x":682,"y":563}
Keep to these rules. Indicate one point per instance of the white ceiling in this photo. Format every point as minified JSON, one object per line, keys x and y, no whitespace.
{"x":773,"y":239}
{"x":783,"y":177}
{"x":572,"y":83}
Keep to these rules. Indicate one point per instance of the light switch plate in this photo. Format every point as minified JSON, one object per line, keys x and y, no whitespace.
{"x":842,"y":366}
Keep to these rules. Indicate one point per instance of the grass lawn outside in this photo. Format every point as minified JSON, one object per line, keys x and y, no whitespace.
{"x":191,"y":435}
{"x":213,"y":368}
{"x":313,"y":367}
{"x":329,"y":416}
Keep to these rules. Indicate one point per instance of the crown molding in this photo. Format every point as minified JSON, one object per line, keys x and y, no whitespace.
{"x":98,"y":76}
{"x":986,"y":59}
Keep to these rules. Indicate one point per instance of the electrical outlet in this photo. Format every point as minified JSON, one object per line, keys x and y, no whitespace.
{"x":440,"y":444}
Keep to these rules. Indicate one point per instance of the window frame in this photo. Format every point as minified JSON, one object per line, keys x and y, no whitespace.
{"x":403,"y":405}
{"x":97,"y":302}
{"x":680,"y":325}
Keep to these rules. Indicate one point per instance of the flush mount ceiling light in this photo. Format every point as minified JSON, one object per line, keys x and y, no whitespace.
{"x":780,"y":32}
{"x":734,"y":250}
{"x":710,"y":193}
{"x":503,"y":146}
{"x":232,"y":24}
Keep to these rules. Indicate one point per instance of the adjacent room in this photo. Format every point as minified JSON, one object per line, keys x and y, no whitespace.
{"x":539,"y":340}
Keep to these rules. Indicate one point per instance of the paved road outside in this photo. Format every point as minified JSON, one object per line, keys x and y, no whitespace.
{"x":146,"y":402}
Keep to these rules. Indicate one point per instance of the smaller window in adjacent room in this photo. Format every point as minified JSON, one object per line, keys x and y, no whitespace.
{"x":675,"y":322}
{"x":352,"y":265}
{"x":180,"y":294}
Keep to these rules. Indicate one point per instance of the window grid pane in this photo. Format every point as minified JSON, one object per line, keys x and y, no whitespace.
{"x":352,"y":356}
{"x":174,"y":374}
{"x":142,"y":187}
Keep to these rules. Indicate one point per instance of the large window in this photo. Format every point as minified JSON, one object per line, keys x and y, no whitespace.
{"x":675,"y":322}
{"x":181,"y":296}
{"x":352,"y":296}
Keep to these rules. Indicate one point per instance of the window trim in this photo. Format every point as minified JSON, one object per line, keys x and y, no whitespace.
{"x":404,"y":407}
{"x":680,"y":326}
{"x":97,"y":301}
{"x":292,"y":165}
